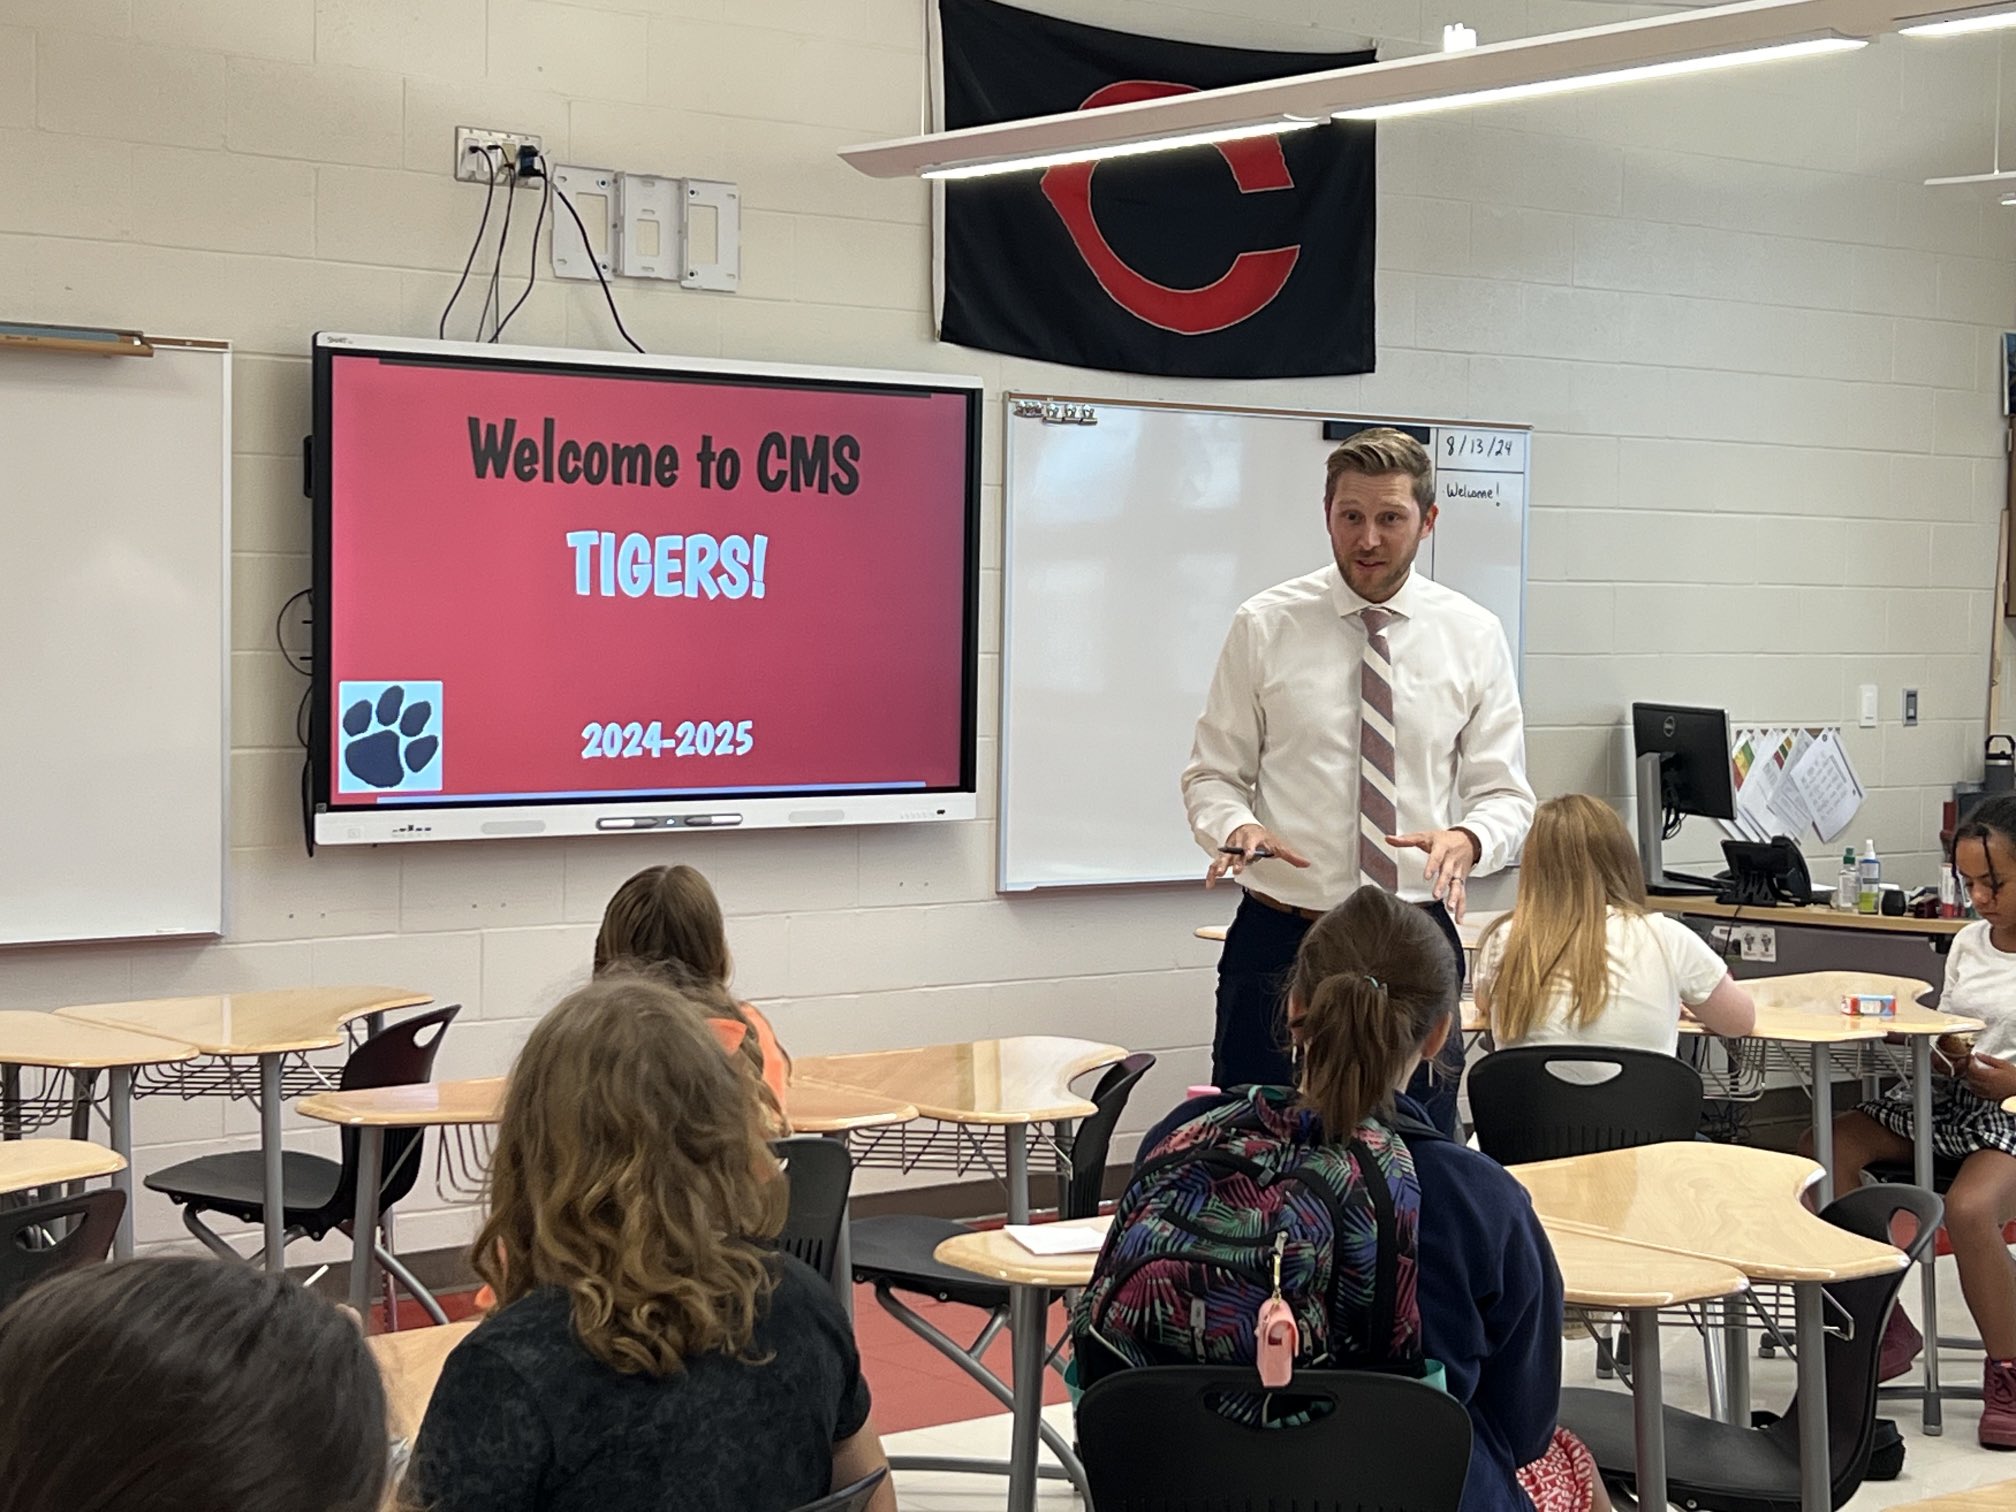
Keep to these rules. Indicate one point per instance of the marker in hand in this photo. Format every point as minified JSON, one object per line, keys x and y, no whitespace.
{"x":1258,"y":853}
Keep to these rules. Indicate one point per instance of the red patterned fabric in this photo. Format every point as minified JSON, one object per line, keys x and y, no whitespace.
{"x":1563,"y":1479}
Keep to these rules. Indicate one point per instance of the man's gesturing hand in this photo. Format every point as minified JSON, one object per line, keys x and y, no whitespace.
{"x":1244,"y":846}
{"x":1451,"y":854}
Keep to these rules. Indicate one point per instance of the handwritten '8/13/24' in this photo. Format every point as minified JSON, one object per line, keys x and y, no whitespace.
{"x":724,"y":737}
{"x":1471,"y":445}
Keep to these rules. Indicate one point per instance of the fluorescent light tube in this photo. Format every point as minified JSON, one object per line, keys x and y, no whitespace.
{"x":1960,"y":25}
{"x":1123,"y":149}
{"x":1540,"y":88}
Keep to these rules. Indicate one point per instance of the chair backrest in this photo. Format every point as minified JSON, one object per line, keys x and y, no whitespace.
{"x":400,"y":1056}
{"x":26,"y":1253}
{"x":852,"y":1498}
{"x":1079,"y":1192}
{"x":1855,"y":1341}
{"x":1525,"y":1111}
{"x":1152,"y":1441}
{"x":818,"y":1174}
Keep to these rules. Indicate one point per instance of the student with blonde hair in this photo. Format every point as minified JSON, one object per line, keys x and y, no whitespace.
{"x":1583,"y":959}
{"x":669,"y":915}
{"x":651,"y":1344}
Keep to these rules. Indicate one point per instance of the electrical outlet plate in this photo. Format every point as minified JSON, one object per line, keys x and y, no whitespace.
{"x":1757,"y":942}
{"x":593,"y":193}
{"x":475,"y":167}
{"x":722,"y":203}
{"x":649,"y":218}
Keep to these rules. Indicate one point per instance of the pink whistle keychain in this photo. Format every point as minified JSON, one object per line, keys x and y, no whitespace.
{"x":1275,"y":1336}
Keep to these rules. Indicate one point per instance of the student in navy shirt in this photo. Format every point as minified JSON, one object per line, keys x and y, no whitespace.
{"x":1372,"y":997}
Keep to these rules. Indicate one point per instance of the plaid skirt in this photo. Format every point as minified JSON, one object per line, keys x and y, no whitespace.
{"x":1563,"y":1479}
{"x":1961,"y":1122}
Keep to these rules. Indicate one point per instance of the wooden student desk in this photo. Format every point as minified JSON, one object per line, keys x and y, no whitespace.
{"x":29,"y":1039}
{"x":1597,"y":1271}
{"x":1999,"y":1497}
{"x":29,"y":1163}
{"x":262,"y":1026}
{"x":1738,"y":1207}
{"x":372,"y":1111}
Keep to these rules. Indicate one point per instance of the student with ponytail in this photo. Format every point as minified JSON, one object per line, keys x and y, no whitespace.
{"x":1370,"y":999}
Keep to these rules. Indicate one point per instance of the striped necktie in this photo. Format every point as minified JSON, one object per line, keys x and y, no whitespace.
{"x":1378,"y":815}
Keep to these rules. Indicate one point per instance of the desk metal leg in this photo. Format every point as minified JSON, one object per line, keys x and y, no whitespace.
{"x":843,"y":1252}
{"x":1921,"y":1175}
{"x":1018,"y":1172}
{"x":1648,"y":1410}
{"x":1026,"y":1312}
{"x":1736,"y":1358}
{"x":10,"y":1102}
{"x":364,"y":1223}
{"x":120,"y":1108}
{"x":1823,"y":1121}
{"x":1815,"y":1469}
{"x":274,"y":1192}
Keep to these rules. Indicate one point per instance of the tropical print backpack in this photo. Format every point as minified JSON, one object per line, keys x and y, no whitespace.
{"x":1245,"y":1203}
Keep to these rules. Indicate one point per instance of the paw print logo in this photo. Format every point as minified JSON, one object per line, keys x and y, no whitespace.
{"x":390,"y":738}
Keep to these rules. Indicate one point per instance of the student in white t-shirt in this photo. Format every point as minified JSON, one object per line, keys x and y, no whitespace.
{"x":1582,"y":960}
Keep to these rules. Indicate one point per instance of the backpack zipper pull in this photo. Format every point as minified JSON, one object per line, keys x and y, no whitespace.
{"x":1197,"y":1328}
{"x":1276,"y":1339}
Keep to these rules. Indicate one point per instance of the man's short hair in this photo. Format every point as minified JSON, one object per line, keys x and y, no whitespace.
{"x":1381,"y":452}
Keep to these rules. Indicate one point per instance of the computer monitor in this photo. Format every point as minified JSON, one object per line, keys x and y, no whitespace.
{"x":1683,"y":769}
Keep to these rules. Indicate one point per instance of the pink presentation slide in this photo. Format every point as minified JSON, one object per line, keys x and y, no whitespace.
{"x":548,"y":584}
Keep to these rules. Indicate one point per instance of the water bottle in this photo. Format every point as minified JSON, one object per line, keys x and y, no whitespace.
{"x":1870,"y":868}
{"x":1848,"y":883}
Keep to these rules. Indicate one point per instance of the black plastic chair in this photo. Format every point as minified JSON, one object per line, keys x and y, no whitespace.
{"x":818,"y":1174}
{"x":1945,"y":1168}
{"x":319,"y":1195}
{"x":34,"y":1242}
{"x":897,"y":1252}
{"x":1721,"y":1467}
{"x":1152,"y":1441}
{"x":1523,"y":1111}
{"x":852,"y":1498}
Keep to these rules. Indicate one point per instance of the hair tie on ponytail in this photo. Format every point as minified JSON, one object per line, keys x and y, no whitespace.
{"x":1381,"y":986}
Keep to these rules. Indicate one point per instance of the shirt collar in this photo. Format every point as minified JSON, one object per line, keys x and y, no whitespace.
{"x":1403,"y":602}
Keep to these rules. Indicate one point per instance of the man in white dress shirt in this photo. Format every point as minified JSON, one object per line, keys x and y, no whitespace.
{"x":1363,"y":726}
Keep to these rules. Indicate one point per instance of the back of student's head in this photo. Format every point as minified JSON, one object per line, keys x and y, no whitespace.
{"x":665,"y":914}
{"x":1373,"y":980}
{"x":631,"y":1170}
{"x":1578,"y":863}
{"x":186,"y":1385}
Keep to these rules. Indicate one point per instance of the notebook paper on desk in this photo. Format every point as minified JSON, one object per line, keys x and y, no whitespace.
{"x":1056,"y":1238}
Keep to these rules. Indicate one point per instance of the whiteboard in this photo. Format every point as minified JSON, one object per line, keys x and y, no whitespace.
{"x":115,"y":541}
{"x":1131,"y":541}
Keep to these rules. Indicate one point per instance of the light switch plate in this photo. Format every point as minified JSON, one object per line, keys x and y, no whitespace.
{"x":584,"y":187}
{"x":1868,"y":706}
{"x":1910,"y":706}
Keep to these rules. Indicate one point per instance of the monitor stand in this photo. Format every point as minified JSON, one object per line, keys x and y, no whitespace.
{"x":1659,"y":882}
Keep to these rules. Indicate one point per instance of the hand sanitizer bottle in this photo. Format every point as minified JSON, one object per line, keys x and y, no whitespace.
{"x":1871,"y":878}
{"x":1848,"y":883}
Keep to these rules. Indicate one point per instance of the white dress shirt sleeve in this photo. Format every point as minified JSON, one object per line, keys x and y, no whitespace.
{"x":1225,"y":755}
{"x":1492,"y":794}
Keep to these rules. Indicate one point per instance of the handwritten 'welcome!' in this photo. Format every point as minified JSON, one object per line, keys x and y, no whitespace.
{"x":666,"y":566}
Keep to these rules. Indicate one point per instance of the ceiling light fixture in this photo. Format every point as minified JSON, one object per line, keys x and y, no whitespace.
{"x":1539,"y":89}
{"x":1961,"y":24}
{"x":1120,"y":150}
{"x":1683,"y":42}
